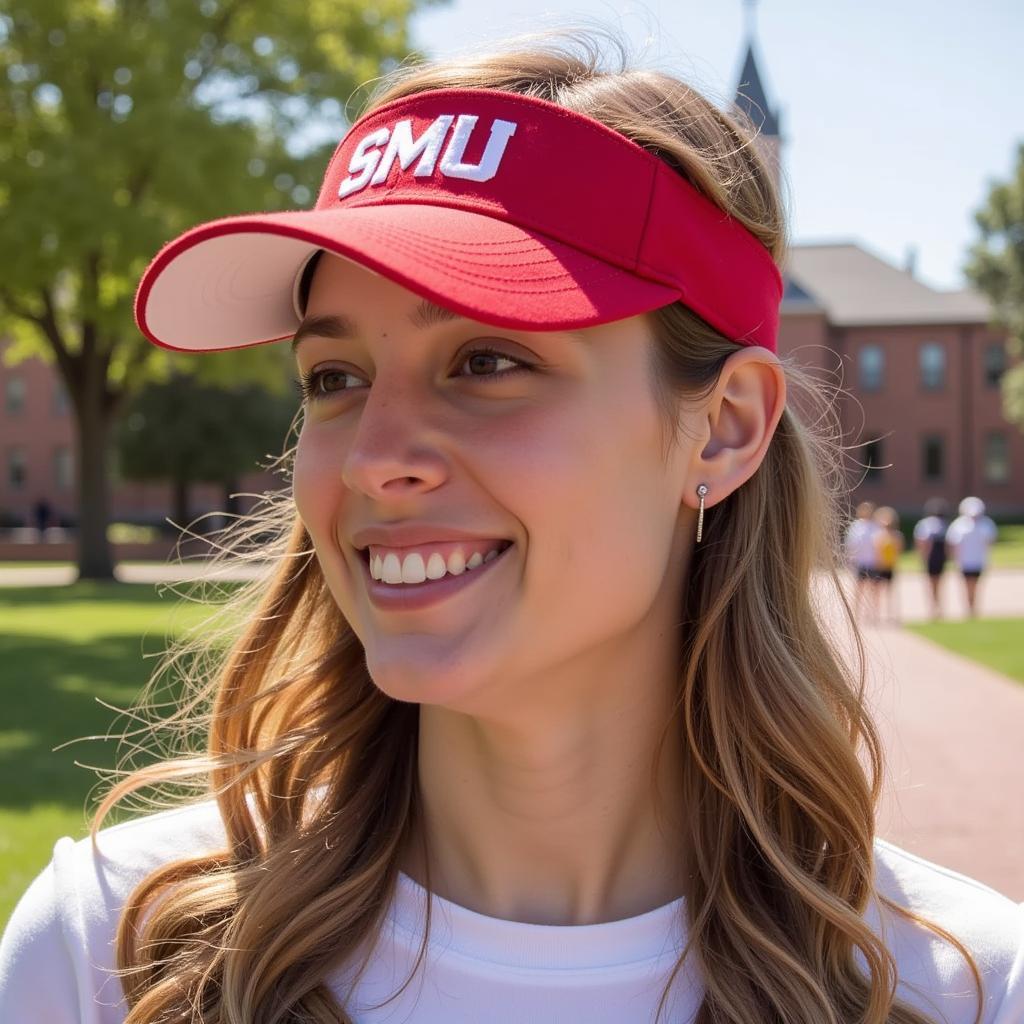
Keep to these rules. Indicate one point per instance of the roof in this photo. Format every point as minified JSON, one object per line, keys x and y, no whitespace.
{"x":857,"y":288}
{"x":750,"y":96}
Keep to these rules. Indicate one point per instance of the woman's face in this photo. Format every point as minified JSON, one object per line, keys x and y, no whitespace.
{"x":554,"y":443}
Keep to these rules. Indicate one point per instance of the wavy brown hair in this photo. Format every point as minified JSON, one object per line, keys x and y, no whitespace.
{"x":313,"y":768}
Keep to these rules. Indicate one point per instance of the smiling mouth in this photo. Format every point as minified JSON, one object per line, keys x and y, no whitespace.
{"x":452,"y":568}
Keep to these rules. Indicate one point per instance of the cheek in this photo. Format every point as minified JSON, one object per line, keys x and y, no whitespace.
{"x":316,"y":482}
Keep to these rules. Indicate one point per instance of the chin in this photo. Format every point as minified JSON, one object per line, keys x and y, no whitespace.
{"x":420,"y":677}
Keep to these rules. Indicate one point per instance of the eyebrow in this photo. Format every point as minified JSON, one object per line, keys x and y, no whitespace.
{"x":426,"y":314}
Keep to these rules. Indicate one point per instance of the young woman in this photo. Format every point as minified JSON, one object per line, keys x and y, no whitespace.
{"x":861,"y":544}
{"x":969,"y":537}
{"x":930,"y":542}
{"x":534,"y":718}
{"x":889,"y":545}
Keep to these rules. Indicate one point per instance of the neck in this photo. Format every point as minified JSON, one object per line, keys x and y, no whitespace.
{"x":556,"y":814}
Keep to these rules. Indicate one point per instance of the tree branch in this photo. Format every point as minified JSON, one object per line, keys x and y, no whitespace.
{"x":17,"y":308}
{"x":48,"y":322}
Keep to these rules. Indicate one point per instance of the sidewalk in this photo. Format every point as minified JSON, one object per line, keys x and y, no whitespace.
{"x":62,"y":575}
{"x":1000,"y":595}
{"x":953,"y":735}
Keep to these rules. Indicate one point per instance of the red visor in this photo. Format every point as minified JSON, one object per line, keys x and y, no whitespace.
{"x":504,"y":208}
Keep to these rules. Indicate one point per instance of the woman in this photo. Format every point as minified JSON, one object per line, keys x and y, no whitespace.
{"x":539,"y":638}
{"x":969,"y":537}
{"x":889,"y":546}
{"x":861,"y":543}
{"x":930,"y":541}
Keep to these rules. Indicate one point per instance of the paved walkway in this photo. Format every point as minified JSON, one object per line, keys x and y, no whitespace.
{"x":953,"y":730}
{"x":62,"y":575}
{"x":953,"y":733}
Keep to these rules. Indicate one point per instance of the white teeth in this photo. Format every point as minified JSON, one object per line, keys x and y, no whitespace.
{"x":412,"y":570}
{"x":392,"y":572}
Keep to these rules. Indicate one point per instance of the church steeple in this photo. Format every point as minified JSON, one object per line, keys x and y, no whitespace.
{"x":752,"y":101}
{"x":750,"y":97}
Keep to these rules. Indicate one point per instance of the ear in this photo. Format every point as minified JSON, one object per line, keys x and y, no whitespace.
{"x":739,"y":420}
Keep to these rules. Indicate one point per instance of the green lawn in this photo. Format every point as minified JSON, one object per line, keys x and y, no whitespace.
{"x":62,"y":648}
{"x":993,"y":642}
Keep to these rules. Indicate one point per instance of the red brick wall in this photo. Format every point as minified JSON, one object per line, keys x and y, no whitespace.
{"x":903,"y":411}
{"x":40,"y":429}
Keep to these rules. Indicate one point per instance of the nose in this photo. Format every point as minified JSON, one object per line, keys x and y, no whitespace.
{"x":395,"y":451}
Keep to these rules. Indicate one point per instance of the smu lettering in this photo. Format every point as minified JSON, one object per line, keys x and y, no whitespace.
{"x":371,"y":165}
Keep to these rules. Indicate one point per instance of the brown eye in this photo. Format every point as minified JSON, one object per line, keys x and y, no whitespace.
{"x":309,"y":385}
{"x":483,"y":360}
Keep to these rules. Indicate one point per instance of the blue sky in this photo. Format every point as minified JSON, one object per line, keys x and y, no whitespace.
{"x":896,"y":116}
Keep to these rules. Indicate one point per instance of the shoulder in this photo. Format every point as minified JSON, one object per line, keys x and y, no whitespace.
{"x":65,"y":924}
{"x":958,"y":525}
{"x":933,"y":974}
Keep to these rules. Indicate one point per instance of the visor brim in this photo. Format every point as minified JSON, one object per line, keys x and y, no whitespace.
{"x":231,"y":283}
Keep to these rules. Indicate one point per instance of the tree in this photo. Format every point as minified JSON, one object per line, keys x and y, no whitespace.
{"x":996,"y":268}
{"x":186,"y":432}
{"x":125,"y":122}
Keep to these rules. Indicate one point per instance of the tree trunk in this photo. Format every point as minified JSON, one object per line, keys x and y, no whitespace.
{"x":180,"y":501}
{"x":95,"y":561}
{"x":231,"y":504}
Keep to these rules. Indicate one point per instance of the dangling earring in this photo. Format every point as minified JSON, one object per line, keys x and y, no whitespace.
{"x":701,"y":491}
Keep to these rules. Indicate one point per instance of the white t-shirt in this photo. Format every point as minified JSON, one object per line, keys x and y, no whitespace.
{"x":57,"y":951}
{"x":973,"y":537}
{"x":861,"y":543}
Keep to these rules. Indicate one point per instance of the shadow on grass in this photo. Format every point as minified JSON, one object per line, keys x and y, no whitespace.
{"x":49,"y":692}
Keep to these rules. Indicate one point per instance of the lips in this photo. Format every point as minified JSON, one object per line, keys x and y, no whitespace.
{"x":417,"y":596}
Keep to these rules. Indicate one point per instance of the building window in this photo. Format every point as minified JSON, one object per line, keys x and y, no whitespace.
{"x":17,"y":469}
{"x":60,"y":399}
{"x":995,"y":364}
{"x":933,"y":451}
{"x":933,"y":366}
{"x":871,"y":367}
{"x":873,"y":460}
{"x":997,"y":458}
{"x":63,"y":468}
{"x":14,"y":395}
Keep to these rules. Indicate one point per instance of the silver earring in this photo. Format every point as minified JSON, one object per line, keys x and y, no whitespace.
{"x":701,"y":491}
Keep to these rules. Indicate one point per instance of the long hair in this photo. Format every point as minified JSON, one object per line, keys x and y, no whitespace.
{"x":313,"y":768}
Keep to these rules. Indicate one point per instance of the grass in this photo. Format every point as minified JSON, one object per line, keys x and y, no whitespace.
{"x":63,"y":648}
{"x":992,"y":642}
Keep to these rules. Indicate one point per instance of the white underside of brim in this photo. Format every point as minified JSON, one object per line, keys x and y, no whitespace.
{"x":228,"y":291}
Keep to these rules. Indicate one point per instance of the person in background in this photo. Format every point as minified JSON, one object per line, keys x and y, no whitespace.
{"x":930,"y":542}
{"x":862,"y":557}
{"x":889,"y":546}
{"x":969,"y":537}
{"x":41,"y":511}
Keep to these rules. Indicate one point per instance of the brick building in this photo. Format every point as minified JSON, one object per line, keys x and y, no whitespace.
{"x":37,"y":446}
{"x":919,"y":369}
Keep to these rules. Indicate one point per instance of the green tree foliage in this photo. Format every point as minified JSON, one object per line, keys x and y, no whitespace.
{"x":187,"y":432}
{"x":996,"y":267}
{"x":125,"y":122}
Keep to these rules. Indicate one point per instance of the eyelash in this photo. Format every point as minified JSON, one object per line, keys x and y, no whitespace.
{"x":307,"y":382}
